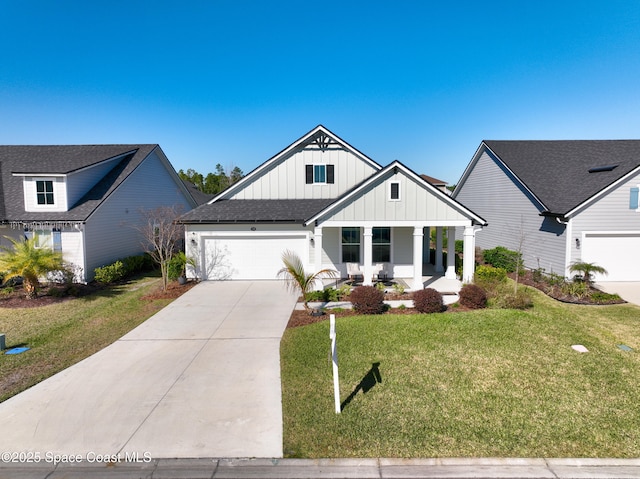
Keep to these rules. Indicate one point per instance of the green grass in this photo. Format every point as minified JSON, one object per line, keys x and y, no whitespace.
{"x":62,"y":334}
{"x":485,"y":383}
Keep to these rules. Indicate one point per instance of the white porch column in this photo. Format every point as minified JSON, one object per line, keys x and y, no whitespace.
{"x":317,"y":251}
{"x":451,"y":253}
{"x":469,"y":254}
{"x":438,"y":266}
{"x":368,"y":256}
{"x":418,"y":234}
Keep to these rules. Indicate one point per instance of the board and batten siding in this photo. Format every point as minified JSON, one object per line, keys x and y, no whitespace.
{"x":513,"y":216}
{"x":110,"y":232}
{"x":611,"y":212}
{"x":285,"y":179}
{"x":416,"y":204}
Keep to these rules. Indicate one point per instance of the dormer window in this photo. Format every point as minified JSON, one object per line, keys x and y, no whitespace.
{"x":44,"y":192}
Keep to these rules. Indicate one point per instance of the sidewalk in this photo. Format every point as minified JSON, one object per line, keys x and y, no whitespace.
{"x":488,"y":468}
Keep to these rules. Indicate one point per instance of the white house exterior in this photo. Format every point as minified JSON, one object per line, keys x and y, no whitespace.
{"x":559,"y":202}
{"x":332,"y":205}
{"x":85,"y":200}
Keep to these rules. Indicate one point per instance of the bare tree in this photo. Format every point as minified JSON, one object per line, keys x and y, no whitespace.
{"x":161,"y":235}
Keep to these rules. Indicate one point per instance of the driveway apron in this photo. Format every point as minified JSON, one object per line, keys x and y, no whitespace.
{"x":201,"y":378}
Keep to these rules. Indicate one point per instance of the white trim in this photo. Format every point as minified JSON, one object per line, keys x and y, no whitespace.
{"x":267,"y":164}
{"x":448,"y":200}
{"x":568,"y":246}
{"x":394,"y":182}
{"x":603,"y":192}
{"x":395,"y":224}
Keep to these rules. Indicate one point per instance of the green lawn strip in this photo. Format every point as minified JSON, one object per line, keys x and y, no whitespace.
{"x":485,"y":383}
{"x":62,"y":334}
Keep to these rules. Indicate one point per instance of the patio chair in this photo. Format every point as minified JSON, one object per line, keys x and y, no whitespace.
{"x":384,"y":271}
{"x":354,"y":271}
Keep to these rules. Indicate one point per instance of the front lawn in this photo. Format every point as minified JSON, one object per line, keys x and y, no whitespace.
{"x":69,"y":330}
{"x":489,"y":383}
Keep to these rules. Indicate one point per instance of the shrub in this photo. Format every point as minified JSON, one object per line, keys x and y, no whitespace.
{"x":459,"y":245}
{"x":398,"y":288}
{"x":501,"y":257}
{"x":490,"y":275}
{"x":367,"y":300}
{"x":110,"y":273}
{"x":603,"y":298}
{"x":313,"y":295}
{"x":428,"y":301}
{"x":519,"y":300}
{"x":473,"y":296}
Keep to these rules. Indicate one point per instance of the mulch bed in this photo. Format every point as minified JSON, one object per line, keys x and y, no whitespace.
{"x":555,"y":292}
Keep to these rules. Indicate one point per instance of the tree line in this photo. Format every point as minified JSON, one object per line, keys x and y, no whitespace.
{"x":212,"y":183}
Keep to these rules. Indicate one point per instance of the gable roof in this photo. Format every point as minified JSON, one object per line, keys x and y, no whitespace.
{"x":63,"y":160}
{"x":564,"y":174}
{"x":419,"y":179}
{"x":320,"y":136}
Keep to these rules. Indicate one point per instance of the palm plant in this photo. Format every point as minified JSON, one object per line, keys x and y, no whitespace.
{"x":297,"y":278}
{"x":586,"y":270}
{"x":24,"y":259}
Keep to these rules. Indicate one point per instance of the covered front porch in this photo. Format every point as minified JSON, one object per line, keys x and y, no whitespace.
{"x":403,"y":255}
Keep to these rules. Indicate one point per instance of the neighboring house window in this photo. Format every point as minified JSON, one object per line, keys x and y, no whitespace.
{"x":44,"y":192}
{"x":394,"y":191}
{"x":381,"y":245}
{"x":633,"y":198}
{"x":43,"y":239}
{"x":320,"y":174}
{"x":350,"y":245}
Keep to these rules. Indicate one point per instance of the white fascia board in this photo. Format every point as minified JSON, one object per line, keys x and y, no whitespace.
{"x":376,"y":176}
{"x":468,"y":169}
{"x":258,"y":171}
{"x":601,"y":193}
{"x":40,"y":175}
{"x":396,"y":224}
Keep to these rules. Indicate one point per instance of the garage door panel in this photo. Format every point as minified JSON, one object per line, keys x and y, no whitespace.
{"x":256,"y":257}
{"x":618,"y":253}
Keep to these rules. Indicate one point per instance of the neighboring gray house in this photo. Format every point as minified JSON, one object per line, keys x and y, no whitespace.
{"x":84,"y":200}
{"x":336,"y":208}
{"x":559,"y":202}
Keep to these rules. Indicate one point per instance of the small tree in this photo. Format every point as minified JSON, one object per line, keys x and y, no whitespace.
{"x":26,"y":260}
{"x":586,"y":270}
{"x":161,"y":235}
{"x":297,"y":278}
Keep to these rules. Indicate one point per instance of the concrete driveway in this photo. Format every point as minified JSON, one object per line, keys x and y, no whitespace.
{"x":201,"y":378}
{"x":627,"y":290}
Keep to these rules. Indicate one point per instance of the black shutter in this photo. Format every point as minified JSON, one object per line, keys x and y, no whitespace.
{"x":309,"y":173}
{"x":330,"y":174}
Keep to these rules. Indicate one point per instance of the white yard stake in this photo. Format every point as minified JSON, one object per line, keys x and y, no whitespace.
{"x":334,"y":355}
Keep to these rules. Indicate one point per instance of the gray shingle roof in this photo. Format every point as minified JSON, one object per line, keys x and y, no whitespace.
{"x":557,"y":171}
{"x":62,"y":159}
{"x":256,"y":211}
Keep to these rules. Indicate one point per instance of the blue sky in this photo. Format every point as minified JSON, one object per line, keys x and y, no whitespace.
{"x":234,"y":82}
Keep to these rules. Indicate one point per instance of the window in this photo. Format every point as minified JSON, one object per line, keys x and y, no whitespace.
{"x":394,"y":191}
{"x":43,"y":238}
{"x":44,"y":192}
{"x":381,"y":245}
{"x":350,"y":245}
{"x":319,"y":174}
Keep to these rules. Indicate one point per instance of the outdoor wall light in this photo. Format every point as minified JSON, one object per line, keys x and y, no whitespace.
{"x":577,"y":243}
{"x":312,"y":241}
{"x":193,"y":241}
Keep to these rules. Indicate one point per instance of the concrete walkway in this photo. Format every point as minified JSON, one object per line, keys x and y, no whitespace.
{"x":201,"y":378}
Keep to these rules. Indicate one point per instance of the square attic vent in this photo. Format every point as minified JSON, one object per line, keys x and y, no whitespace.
{"x":598,"y":169}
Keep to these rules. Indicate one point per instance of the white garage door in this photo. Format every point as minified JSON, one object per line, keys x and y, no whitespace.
{"x":255,"y":257}
{"x":618,"y":253}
